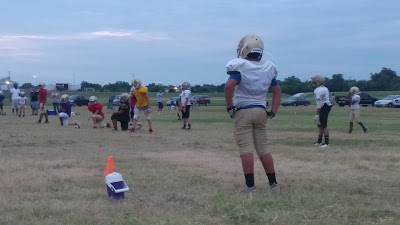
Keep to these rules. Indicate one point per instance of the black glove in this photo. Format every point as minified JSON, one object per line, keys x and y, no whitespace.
{"x":270,"y":114}
{"x":231,"y":111}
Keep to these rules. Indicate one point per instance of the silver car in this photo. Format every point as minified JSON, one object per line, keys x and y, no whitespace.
{"x":387,"y":101}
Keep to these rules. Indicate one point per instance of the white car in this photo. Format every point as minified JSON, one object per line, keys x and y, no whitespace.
{"x":396,"y":102}
{"x":387,"y":101}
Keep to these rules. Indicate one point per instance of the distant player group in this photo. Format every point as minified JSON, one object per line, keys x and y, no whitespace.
{"x":250,"y":78}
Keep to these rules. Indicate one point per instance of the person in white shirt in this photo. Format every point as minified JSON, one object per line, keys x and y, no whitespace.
{"x":186,"y":104}
{"x":22,"y":104}
{"x":159,"y":101}
{"x":246,"y":89}
{"x":14,"y":98}
{"x":324,"y":106}
{"x":355,"y":109}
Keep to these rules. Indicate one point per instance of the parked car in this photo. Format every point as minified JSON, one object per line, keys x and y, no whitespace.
{"x":172,"y":100}
{"x":117,"y":100}
{"x":201,"y":99}
{"x":365,"y":100}
{"x":396,"y":102}
{"x":295,"y":101}
{"x":78,"y":100}
{"x":387,"y":101}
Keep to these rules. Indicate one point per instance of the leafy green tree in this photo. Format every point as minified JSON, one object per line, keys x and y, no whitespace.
{"x":119,"y":86}
{"x":386,"y":80}
{"x":337,"y":83}
{"x":26,"y":86}
{"x":85,"y":84}
{"x":292,"y":85}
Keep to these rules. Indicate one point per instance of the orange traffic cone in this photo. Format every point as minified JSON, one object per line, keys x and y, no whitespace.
{"x":109,"y":166}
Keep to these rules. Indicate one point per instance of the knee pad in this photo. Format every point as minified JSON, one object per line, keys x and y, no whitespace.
{"x":148,"y":117}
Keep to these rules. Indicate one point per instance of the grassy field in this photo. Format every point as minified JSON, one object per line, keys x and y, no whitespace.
{"x":54,"y":175}
{"x":217,"y":99}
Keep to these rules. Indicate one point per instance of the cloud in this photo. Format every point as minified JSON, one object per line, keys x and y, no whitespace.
{"x":28,"y":46}
{"x":132,"y":34}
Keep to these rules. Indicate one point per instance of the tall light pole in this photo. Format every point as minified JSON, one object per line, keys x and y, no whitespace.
{"x":35,"y":79}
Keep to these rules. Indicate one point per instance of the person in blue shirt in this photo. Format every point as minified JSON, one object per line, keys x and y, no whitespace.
{"x":1,"y":102}
{"x":65,"y":112}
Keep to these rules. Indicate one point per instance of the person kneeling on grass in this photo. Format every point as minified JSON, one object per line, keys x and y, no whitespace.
{"x":65,"y":112}
{"x":122,"y":115}
{"x":96,"y":109}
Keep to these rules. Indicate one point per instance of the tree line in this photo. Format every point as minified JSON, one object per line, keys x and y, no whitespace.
{"x":385,"y":80}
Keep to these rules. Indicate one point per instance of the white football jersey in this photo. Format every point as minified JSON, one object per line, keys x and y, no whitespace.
{"x":22,"y":101}
{"x":321,"y":94}
{"x":356,"y":99}
{"x":186,"y":94}
{"x":256,"y":78}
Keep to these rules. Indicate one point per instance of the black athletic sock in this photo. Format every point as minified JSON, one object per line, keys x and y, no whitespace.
{"x":362,"y":125}
{"x":351,"y":127}
{"x":249,"y":179}
{"x":271,"y":178}
{"x":319,"y":139}
{"x":327,"y":140}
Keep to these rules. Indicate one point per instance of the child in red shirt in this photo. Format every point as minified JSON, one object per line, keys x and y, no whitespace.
{"x":96,"y":109}
{"x":42,"y":102}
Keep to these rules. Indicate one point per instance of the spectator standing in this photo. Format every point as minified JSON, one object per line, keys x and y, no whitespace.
{"x":1,"y":102}
{"x":42,"y":103}
{"x":55,"y":99}
{"x":14,"y":98}
{"x":34,"y":101}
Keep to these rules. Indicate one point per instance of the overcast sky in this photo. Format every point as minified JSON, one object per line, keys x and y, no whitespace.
{"x":101,"y":41}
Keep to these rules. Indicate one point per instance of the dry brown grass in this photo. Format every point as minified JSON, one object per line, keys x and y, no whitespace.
{"x":54,"y":175}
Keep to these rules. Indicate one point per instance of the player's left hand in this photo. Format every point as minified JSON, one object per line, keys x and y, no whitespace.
{"x":231,"y":111}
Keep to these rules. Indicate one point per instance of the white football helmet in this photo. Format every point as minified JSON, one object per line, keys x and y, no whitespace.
{"x":317,"y":80}
{"x":125,"y":97}
{"x":250,"y":44}
{"x":136,"y":82}
{"x":92,"y":98}
{"x":41,"y":84}
{"x":185,"y":85}
{"x":354,"y":90}
{"x":64,"y":98}
{"x":22,"y":93}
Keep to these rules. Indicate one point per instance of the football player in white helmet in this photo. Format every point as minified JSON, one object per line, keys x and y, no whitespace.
{"x":143,"y":104}
{"x":245,"y":94}
{"x":122,"y":115}
{"x":96,"y":108}
{"x":186,"y":104}
{"x":324,"y":106}
{"x":22,"y":103}
{"x":355,"y":109}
